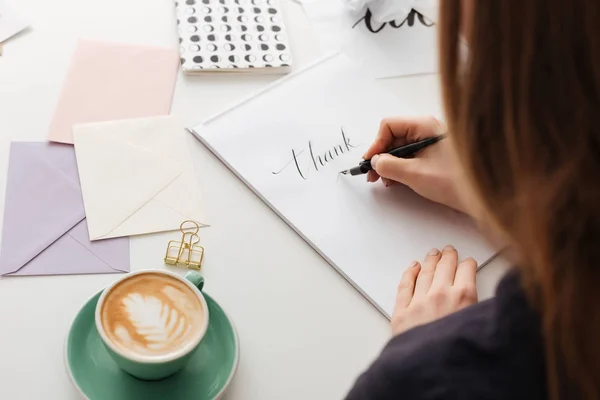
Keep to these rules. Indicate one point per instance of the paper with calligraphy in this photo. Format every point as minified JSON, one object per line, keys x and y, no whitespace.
{"x":288,"y":145}
{"x":406,"y":46}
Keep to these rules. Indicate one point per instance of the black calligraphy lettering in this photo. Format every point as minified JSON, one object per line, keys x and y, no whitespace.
{"x":368,"y":18}
{"x":409,"y":21}
{"x":294,"y":159}
{"x":359,"y":21}
{"x":347,"y":143}
{"x":297,"y":165}
{"x":318,"y":161}
{"x":424,"y":20}
{"x":314,"y":159}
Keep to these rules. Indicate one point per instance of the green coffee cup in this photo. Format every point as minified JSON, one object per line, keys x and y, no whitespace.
{"x":152,"y":321}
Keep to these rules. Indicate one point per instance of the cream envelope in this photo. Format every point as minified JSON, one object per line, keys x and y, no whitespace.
{"x":137,"y":176}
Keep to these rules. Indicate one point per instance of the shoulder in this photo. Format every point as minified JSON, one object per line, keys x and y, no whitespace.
{"x":428,"y":362}
{"x":491,"y":350}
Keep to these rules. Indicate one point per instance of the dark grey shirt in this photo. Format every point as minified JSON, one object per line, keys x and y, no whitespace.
{"x":491,"y":350}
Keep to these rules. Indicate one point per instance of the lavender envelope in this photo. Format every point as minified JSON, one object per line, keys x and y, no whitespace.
{"x":45,"y":231}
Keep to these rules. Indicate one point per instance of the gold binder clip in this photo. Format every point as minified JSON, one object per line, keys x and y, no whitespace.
{"x":186,"y":252}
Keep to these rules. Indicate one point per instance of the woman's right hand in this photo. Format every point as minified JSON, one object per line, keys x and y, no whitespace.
{"x":432,"y":173}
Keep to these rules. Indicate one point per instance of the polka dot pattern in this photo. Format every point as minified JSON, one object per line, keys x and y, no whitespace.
{"x":232,"y":34}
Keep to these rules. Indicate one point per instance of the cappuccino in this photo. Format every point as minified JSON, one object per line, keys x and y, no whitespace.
{"x":151,"y":314}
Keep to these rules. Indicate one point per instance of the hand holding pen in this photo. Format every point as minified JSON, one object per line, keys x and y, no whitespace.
{"x":432,"y":173}
{"x":409,"y":150}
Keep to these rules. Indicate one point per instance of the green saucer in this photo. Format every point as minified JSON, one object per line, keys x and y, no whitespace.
{"x":97,"y":377}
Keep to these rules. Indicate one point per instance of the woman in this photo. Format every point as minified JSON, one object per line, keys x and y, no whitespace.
{"x":524,"y":160}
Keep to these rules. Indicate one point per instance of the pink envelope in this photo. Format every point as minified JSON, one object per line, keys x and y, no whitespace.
{"x":45,"y":231}
{"x":108,"y":81}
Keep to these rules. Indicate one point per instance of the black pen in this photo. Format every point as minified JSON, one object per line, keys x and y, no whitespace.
{"x":405,"y":151}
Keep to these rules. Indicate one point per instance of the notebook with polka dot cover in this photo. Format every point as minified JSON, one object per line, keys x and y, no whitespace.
{"x":232,"y":36}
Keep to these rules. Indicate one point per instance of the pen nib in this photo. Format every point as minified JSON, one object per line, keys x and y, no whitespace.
{"x":345,"y":172}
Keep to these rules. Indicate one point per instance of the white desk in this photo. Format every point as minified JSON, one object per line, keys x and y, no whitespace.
{"x":305,"y":332}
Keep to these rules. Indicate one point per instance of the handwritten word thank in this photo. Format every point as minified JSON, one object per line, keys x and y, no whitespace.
{"x":409,"y":21}
{"x":316,"y":160}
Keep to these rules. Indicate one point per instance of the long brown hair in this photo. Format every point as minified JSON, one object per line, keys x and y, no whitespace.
{"x":523,"y":108}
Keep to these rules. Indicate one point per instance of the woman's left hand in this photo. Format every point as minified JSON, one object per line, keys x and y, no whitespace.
{"x":431,"y":290}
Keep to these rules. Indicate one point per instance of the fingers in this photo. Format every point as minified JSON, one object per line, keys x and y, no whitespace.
{"x":398,"y":131}
{"x":446,"y":268}
{"x":395,"y":132}
{"x":427,"y":272}
{"x":372,"y":176}
{"x":384,"y":139}
{"x":406,"y":287}
{"x":464,"y":282}
{"x":397,"y":169}
{"x":466,"y":273}
{"x":387,"y":182}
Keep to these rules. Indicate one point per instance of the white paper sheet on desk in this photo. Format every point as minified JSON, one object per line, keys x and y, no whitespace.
{"x":137,"y":176}
{"x":288,"y":145}
{"x":403,"y":47}
{"x":11,"y":23}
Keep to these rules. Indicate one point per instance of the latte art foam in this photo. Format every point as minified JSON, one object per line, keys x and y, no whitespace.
{"x":152,"y":315}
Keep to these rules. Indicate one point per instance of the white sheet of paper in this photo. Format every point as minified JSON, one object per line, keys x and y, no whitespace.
{"x":403,"y":47}
{"x":11,"y":23}
{"x":136,"y":176}
{"x":327,"y":115}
